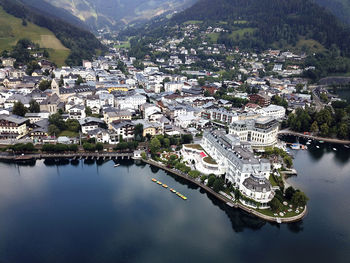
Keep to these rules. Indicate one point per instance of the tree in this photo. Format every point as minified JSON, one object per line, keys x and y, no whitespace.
{"x":186,"y":138}
{"x":324,"y":130}
{"x":211,"y":180}
{"x":89,"y":147}
{"x":314,"y":127}
{"x":343,"y":131}
{"x":73,"y":125}
{"x":44,"y":85}
{"x":34,"y":106}
{"x":54,"y":130}
{"x":73,"y":148}
{"x":88,"y":111}
{"x":275,"y":204}
{"x":299,"y":199}
{"x":218,"y":185}
{"x":57,"y":120}
{"x":138,"y":131}
{"x":194,"y":174}
{"x":201,"y":82}
{"x":155,"y":145}
{"x":31,"y":67}
{"x":290,"y":191}
{"x":24,"y":22}
{"x":79,"y":80}
{"x":19,"y":109}
{"x":166,"y":143}
{"x":99,"y":146}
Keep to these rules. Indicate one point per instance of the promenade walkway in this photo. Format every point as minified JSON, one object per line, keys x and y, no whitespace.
{"x":228,"y":201}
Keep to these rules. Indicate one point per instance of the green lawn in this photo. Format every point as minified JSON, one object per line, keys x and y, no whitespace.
{"x":11,"y":30}
{"x":273,"y":181}
{"x":213,"y":37}
{"x":194,"y":146}
{"x":69,"y":134}
{"x":209,"y":160}
{"x":241,"y":32}
{"x":193,"y":22}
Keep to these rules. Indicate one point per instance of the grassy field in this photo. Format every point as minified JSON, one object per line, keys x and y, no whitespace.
{"x":213,"y":37}
{"x":11,"y":30}
{"x":241,"y":32}
{"x":193,"y":22}
{"x":69,"y":134}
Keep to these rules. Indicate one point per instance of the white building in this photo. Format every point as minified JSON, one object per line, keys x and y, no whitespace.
{"x":12,"y":127}
{"x":173,"y":86}
{"x":260,"y":133}
{"x":89,"y":124}
{"x":242,"y":168}
{"x":130,"y":102}
{"x":273,"y":111}
{"x":77,"y":112}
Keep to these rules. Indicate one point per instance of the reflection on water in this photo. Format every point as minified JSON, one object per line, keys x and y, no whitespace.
{"x":89,"y":211}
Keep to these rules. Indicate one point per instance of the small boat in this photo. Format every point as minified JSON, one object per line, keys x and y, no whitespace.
{"x":160,"y":183}
{"x":347,"y":146}
{"x":318,"y":147}
{"x":321,"y":141}
{"x":334,"y":149}
{"x":116,"y":165}
{"x":184,"y":197}
{"x":154,"y":180}
{"x":308,"y":143}
{"x":164,"y":185}
{"x":172,"y":190}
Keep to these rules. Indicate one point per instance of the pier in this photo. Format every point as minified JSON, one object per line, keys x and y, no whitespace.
{"x":73,"y":156}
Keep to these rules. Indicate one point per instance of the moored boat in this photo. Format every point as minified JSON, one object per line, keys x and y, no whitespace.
{"x":164,"y":185}
{"x":154,"y":180}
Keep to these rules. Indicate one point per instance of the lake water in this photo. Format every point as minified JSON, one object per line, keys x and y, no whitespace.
{"x":344,"y":94}
{"x":97,"y":213}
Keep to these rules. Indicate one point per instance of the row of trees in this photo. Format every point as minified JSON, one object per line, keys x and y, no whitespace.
{"x":326,"y":122}
{"x":20,"y":110}
{"x":59,"y":148}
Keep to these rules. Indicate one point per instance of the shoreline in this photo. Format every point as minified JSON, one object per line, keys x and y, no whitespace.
{"x":228,"y":201}
{"x":110,"y":156}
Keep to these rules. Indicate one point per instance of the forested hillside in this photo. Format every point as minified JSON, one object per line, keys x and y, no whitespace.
{"x":283,"y":21}
{"x":340,"y":8}
{"x":82,"y":43}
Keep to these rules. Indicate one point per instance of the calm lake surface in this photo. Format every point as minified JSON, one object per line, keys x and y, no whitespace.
{"x":97,"y":213}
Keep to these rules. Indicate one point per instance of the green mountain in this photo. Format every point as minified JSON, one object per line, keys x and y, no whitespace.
{"x":259,"y":24}
{"x":340,"y":8}
{"x":82,"y":43}
{"x":12,"y":30}
{"x":116,"y":13}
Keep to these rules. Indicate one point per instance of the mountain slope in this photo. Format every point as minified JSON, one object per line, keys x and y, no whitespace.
{"x":53,"y":11}
{"x":99,"y":13}
{"x":340,"y":8}
{"x":11,"y":30}
{"x":270,"y":21}
{"x":82,"y":43}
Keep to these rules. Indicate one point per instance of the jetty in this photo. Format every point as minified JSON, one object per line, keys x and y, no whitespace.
{"x":73,"y":156}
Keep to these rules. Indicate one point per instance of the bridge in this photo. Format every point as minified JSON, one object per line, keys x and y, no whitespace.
{"x":312,"y":137}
